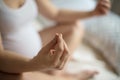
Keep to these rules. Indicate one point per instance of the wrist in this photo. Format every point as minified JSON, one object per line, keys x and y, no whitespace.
{"x":29,"y":66}
{"x":32,"y":64}
{"x":36,"y":64}
{"x":93,"y":13}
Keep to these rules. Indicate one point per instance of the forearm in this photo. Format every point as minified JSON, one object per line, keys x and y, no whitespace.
{"x":67,"y":15}
{"x":70,"y":16}
{"x":47,"y":9}
{"x":13,"y":63}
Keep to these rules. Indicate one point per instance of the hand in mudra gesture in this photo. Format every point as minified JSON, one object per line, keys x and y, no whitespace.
{"x":53,"y":56}
{"x":102,"y":7}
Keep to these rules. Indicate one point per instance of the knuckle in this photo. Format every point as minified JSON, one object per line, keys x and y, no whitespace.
{"x":60,"y":49}
{"x":66,"y":57}
{"x":59,"y":68}
{"x":68,"y":53}
{"x":67,"y":50}
{"x":54,"y":65}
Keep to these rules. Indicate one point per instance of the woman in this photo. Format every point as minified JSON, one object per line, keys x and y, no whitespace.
{"x":32,"y":51}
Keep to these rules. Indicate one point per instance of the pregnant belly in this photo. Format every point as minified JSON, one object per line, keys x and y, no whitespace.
{"x":25,"y":42}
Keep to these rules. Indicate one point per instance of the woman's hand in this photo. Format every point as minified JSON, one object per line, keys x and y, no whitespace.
{"x":102,"y":8}
{"x":53,"y":56}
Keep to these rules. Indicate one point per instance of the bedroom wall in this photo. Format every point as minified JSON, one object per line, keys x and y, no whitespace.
{"x":116,"y":6}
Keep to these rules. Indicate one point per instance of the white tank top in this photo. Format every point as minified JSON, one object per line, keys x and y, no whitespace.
{"x":18,"y":33}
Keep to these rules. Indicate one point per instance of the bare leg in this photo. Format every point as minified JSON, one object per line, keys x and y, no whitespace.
{"x":40,"y":76}
{"x":30,"y":76}
{"x":83,"y":75}
{"x":72,"y":34}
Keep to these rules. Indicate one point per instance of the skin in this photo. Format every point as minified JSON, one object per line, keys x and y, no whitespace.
{"x":41,"y":61}
{"x":60,"y":46}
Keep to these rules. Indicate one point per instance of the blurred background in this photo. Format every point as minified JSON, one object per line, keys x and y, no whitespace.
{"x":101,"y":45}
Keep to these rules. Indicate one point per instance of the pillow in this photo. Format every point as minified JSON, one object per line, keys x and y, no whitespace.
{"x":104,"y":34}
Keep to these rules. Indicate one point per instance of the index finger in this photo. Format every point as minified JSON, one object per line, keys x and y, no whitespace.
{"x":59,"y":48}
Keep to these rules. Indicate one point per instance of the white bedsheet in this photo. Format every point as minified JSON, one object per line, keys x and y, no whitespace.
{"x":87,"y":61}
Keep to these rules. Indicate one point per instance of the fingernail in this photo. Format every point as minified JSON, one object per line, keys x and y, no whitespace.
{"x":57,"y":36}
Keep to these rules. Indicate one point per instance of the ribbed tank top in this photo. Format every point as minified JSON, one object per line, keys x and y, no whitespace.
{"x":18,"y":33}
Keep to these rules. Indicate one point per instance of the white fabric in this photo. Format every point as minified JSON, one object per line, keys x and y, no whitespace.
{"x":17,"y":31}
{"x":104,"y":34}
{"x":86,"y":59}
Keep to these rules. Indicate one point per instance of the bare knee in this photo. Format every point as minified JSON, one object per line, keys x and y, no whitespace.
{"x":74,"y":35}
{"x":77,"y":29}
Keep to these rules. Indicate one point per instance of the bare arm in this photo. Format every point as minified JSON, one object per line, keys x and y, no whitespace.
{"x":13,"y":63}
{"x":61,"y":15}
{"x":52,"y":12}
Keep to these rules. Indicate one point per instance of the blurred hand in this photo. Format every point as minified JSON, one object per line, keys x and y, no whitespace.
{"x":102,"y":7}
{"x":53,"y":56}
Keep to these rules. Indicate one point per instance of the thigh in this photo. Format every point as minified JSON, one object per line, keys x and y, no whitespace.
{"x":66,"y":29}
{"x":24,"y":76}
{"x":30,"y":76}
{"x":7,"y":76}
